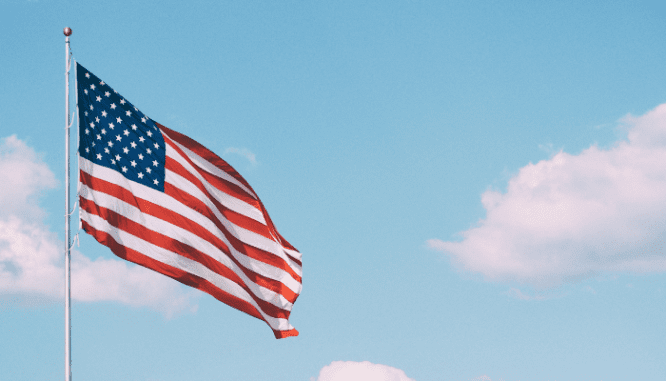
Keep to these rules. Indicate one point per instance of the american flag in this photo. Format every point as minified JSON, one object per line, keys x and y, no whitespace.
{"x":159,"y":199}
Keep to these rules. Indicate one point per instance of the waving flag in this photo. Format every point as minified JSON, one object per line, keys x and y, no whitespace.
{"x":159,"y":199}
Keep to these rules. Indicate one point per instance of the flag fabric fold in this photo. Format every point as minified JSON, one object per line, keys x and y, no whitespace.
{"x":157,"y":198}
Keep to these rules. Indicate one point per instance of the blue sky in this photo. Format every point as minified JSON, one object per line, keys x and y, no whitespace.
{"x":478,"y":191}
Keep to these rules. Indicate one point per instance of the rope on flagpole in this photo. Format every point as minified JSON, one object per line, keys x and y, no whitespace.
{"x":68,"y":334}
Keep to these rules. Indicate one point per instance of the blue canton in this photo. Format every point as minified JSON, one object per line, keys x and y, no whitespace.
{"x":115,"y":134}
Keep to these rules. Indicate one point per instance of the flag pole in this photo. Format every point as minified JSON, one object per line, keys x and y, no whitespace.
{"x":68,"y":343}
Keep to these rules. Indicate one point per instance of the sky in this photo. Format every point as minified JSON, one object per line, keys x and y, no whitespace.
{"x":478,"y":189}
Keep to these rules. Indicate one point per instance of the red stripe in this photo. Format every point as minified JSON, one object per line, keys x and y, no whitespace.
{"x":181,"y":276}
{"x":234,"y":217}
{"x":189,"y":225}
{"x":212,"y":158}
{"x":245,"y":249}
{"x":198,"y":205}
{"x":205,"y":154}
{"x":283,"y":334}
{"x":173,"y":245}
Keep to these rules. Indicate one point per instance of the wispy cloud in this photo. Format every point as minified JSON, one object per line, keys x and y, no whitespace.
{"x":242,"y":152}
{"x":572,"y":217}
{"x":517,"y":294}
{"x":32,"y":257}
{"x":484,"y":378}
{"x":360,"y":371}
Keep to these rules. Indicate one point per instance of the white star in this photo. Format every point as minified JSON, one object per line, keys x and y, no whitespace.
{"x":113,"y":161}
{"x":87,"y":131}
{"x":128,"y":113}
{"x":141,"y":139}
{"x":87,"y":149}
{"x":133,"y":163}
{"x":148,"y":169}
{"x":104,"y":114}
{"x":149,"y":151}
{"x":118,"y":137}
{"x":136,"y":109}
{"x":113,"y":106}
{"x":93,"y":143}
{"x":126,"y":132}
{"x":140,"y":157}
{"x":122,"y":101}
{"x":111,"y":126}
{"x":85,"y":113}
{"x":119,"y":120}
{"x":150,"y":133}
{"x":102,"y":83}
{"x":103,"y":131}
{"x":155,"y":181}
{"x":92,"y":87}
{"x":106,"y":150}
{"x":97,"y":119}
{"x":155,"y":163}
{"x":124,"y":169}
{"x":85,"y":91}
{"x":99,"y":137}
{"x":126,"y":150}
{"x":134,"y":127}
{"x":87,"y":75}
{"x":143,"y":119}
{"x":92,"y":125}
{"x":110,"y":143}
{"x":91,"y":107}
{"x":107,"y":94}
{"x":133,"y":144}
{"x":118,"y":157}
{"x":157,"y":146}
{"x":99,"y":156}
{"x":140,"y":175}
{"x":99,"y":99}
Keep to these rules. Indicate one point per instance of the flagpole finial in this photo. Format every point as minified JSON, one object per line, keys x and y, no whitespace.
{"x":67,"y":31}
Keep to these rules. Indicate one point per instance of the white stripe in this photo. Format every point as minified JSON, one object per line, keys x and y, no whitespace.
{"x":219,"y":195}
{"x":235,"y":204}
{"x":247,"y":236}
{"x":160,"y":198}
{"x":182,"y":235}
{"x":172,"y":259}
{"x":163,"y":227}
{"x":293,"y":253}
{"x":209,"y":167}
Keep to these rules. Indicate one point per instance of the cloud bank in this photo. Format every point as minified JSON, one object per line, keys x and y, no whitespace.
{"x":572,"y":217}
{"x":32,"y":257}
{"x":360,"y":371}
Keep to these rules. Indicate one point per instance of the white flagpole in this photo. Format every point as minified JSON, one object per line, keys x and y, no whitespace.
{"x":68,"y":343}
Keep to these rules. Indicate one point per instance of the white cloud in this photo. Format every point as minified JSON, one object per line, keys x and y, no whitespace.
{"x":32,"y":257}
{"x":24,"y":176}
{"x":121,"y":281}
{"x":242,"y":152}
{"x":574,"y":216}
{"x":360,"y":371}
